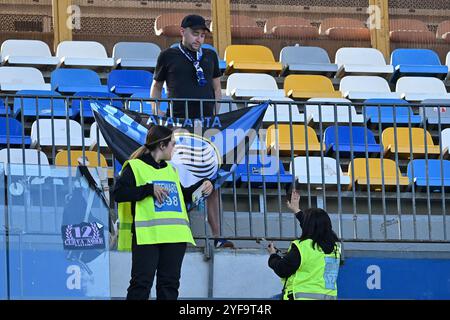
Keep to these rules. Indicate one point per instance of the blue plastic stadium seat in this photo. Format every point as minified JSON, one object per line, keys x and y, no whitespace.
{"x":13,"y":132}
{"x":222,"y":63}
{"x":135,"y":105}
{"x":417,"y":62}
{"x":76,"y":80}
{"x":3,"y":108}
{"x":269,"y":167}
{"x":96,"y":96}
{"x":358,"y":139}
{"x":434,"y":173}
{"x":385,"y":114}
{"x":41,"y":102}
{"x":129,"y":81}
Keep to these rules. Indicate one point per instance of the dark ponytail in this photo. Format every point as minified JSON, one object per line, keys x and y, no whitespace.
{"x":156,"y":136}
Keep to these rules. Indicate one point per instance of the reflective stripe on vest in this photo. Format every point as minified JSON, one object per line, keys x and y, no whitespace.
{"x":161,"y":222}
{"x":318,"y":296}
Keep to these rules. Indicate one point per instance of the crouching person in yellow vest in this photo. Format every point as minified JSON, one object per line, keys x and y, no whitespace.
{"x":153,"y":220}
{"x":310,"y":268}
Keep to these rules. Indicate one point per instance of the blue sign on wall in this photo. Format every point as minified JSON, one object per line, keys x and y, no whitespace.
{"x":376,"y":278}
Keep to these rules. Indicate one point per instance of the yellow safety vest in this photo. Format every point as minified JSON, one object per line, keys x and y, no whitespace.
{"x":316,"y":278}
{"x":154,"y":222}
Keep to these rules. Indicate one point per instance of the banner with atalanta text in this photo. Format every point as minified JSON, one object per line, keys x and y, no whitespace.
{"x":208,"y":147}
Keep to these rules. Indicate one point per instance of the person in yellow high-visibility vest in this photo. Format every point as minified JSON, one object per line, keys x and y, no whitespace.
{"x":153,"y":220}
{"x":310,"y":268}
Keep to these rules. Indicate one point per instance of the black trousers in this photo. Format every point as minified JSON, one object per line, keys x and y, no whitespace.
{"x":165,"y":259}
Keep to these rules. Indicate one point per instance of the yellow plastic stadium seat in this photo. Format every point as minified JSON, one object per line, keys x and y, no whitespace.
{"x":284,"y":140}
{"x":404,"y":145}
{"x":309,"y":86}
{"x":76,"y":158}
{"x":250,"y":58}
{"x":391,"y":171}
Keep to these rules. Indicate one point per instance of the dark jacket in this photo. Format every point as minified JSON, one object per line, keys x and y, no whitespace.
{"x":289,"y":264}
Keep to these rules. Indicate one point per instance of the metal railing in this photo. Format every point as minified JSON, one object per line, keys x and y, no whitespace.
{"x":370,"y":208}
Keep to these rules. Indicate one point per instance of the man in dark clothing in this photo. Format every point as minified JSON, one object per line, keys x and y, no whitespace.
{"x":191,"y":72}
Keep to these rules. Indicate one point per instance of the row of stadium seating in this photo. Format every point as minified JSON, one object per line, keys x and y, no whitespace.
{"x":239,"y":85}
{"x":308,"y":170}
{"x":289,"y":27}
{"x":383,"y":173}
{"x":248,"y":85}
{"x":317,"y":110}
{"x":345,"y":139}
{"x":238,"y":58}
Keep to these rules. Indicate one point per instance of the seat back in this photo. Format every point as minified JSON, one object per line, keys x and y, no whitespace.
{"x":344,"y":28}
{"x":436,"y":110}
{"x":269,"y":165}
{"x":81,"y":49}
{"x":283,"y":113}
{"x":403,"y":140}
{"x":387,"y":112}
{"x":59,"y":128}
{"x":248,"y":53}
{"x":326,"y":112}
{"x":308,"y":83}
{"x":376,"y":167}
{"x":358,"y":136}
{"x":101,"y":97}
{"x":364,"y":84}
{"x":315,"y":167}
{"x":10,"y":127}
{"x":136,"y":50}
{"x":24,"y":48}
{"x":423,"y":57}
{"x":252,"y":81}
{"x":298,"y":133}
{"x":303,"y":55}
{"x":420,"y":85}
{"x":359,"y":56}
{"x":74,"y":77}
{"x":31,"y":101}
{"x":430,"y":167}
{"x":21,"y":75}
{"x":130,"y":78}
{"x":16,"y":155}
{"x":90,"y":158}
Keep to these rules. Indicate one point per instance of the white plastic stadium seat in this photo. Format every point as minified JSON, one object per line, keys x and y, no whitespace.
{"x":60,"y":133}
{"x":32,"y":159}
{"x":366,"y":87}
{"x":27,"y":52}
{"x":83,"y":54}
{"x":361,"y":61}
{"x":327,"y":111}
{"x":315,"y":171}
{"x":282,"y":110}
{"x":421,"y":88}
{"x":136,"y":54}
{"x":22,"y":78}
{"x":247,"y":85}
